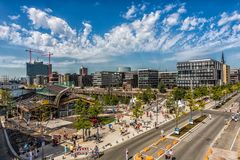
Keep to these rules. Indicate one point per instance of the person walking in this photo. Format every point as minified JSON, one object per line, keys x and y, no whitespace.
{"x":126,"y":154}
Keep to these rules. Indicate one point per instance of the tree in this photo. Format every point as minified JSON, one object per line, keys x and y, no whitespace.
{"x":191,"y":102}
{"x":82,"y":123}
{"x":6,"y":100}
{"x":83,"y":120}
{"x":201,"y":105}
{"x":162,"y":87}
{"x":137,"y":110}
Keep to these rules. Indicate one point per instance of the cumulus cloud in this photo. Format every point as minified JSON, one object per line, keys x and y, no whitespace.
{"x":226,"y":18}
{"x":14,"y":17}
{"x":190,"y":23}
{"x":172,"y":19}
{"x":131,"y":13}
{"x":147,"y":33}
{"x":41,"y":19}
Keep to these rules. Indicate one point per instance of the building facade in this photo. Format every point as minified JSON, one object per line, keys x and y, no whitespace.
{"x":37,"y":68}
{"x":130,"y":80}
{"x":85,"y":81}
{"x":234,"y":76}
{"x":147,"y":78}
{"x":202,"y":72}
{"x":226,"y":74}
{"x":83,"y":71}
{"x":107,"y":79}
{"x":168,"y":78}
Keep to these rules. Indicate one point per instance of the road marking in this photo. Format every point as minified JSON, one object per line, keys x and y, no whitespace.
{"x":234,"y":139}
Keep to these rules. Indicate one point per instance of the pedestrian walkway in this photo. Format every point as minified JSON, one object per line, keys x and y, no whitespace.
{"x":3,"y":146}
{"x":114,"y":137}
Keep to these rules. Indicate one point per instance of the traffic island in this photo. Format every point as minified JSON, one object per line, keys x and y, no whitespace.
{"x":188,"y":127}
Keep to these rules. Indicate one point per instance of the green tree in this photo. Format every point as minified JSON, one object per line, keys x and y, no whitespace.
{"x":6,"y":100}
{"x":137,"y":110}
{"x":82,"y":123}
{"x":162,"y":87}
{"x":83,"y":120}
{"x":201,"y":105}
{"x":178,"y":93}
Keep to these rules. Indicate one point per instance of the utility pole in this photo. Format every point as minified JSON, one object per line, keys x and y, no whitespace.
{"x":190,"y":119}
{"x":157,"y":111}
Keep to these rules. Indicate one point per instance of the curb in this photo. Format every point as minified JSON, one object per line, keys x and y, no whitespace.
{"x":13,"y":152}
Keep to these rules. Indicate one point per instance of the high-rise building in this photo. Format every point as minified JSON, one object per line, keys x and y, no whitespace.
{"x":83,"y":71}
{"x":234,"y":75}
{"x":202,"y":72}
{"x":168,"y":78}
{"x":107,"y":79}
{"x":147,"y":78}
{"x":36,"y":68}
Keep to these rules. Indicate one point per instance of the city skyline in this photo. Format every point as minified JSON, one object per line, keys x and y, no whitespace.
{"x":103,"y":35}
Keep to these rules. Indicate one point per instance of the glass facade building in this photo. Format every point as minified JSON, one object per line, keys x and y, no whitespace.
{"x":203,"y":72}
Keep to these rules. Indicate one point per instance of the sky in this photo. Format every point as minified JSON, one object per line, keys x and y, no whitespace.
{"x":106,"y":34}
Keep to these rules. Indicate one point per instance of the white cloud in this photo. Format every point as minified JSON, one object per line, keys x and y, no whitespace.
{"x":49,"y":10}
{"x":131,"y":13}
{"x":172,"y":19}
{"x":190,"y":23}
{"x":14,"y":17}
{"x":145,"y":34}
{"x":169,"y":7}
{"x":225,"y":18}
{"x":41,"y":19}
{"x":236,"y":28}
{"x":143,"y":7}
{"x":182,"y":9}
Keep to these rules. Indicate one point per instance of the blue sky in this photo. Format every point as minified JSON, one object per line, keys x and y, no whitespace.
{"x":105,"y":34}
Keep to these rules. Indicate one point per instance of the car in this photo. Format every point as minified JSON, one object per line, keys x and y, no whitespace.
{"x":235,"y":117}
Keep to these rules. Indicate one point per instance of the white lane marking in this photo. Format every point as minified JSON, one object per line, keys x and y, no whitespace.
{"x":234,"y":139}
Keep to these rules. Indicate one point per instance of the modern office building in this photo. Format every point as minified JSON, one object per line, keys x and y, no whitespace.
{"x":83,"y":71}
{"x":85,"y":81}
{"x":36,"y":68}
{"x":107,"y":79}
{"x":124,"y":69}
{"x":234,"y":75}
{"x":168,"y":78}
{"x":130,"y":80}
{"x":147,"y":78}
{"x":202,"y":72}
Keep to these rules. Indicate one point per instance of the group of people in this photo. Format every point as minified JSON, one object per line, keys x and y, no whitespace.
{"x":30,"y":152}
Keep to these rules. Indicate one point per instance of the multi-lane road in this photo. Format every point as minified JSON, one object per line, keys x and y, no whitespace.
{"x":192,"y":147}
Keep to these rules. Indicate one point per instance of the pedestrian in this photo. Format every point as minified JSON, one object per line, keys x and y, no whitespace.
{"x":30,"y":155}
{"x":210,"y":116}
{"x":65,"y":150}
{"x":35,"y":153}
{"x":126,"y":154}
{"x":162,"y":132}
{"x":96,"y":150}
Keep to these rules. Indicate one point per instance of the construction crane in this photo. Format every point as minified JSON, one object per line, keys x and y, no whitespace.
{"x":31,"y":51}
{"x":49,"y":54}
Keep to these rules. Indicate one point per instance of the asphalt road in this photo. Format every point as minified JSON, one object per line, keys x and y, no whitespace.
{"x":194,"y":147}
{"x":138,"y":143}
{"x":4,"y":155}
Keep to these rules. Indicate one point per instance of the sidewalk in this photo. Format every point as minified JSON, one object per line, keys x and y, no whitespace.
{"x":111,"y":138}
